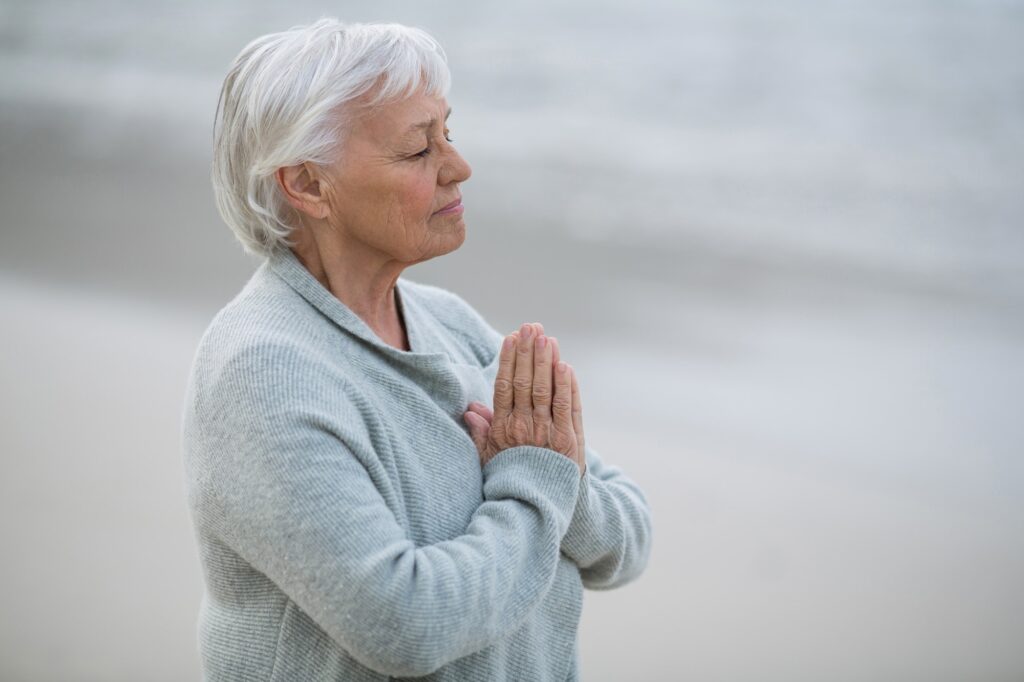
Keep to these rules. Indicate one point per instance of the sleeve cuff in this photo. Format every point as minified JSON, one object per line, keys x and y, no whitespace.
{"x":527,"y":472}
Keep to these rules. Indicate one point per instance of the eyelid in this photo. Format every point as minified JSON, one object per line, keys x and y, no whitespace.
{"x":426,"y":150}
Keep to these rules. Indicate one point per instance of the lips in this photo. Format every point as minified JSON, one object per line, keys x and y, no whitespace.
{"x":450,"y":207}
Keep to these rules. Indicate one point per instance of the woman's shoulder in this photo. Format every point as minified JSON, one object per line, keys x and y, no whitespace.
{"x":263,"y":313}
{"x":265,"y":332}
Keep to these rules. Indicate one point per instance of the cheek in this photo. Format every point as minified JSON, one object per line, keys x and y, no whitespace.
{"x":421,"y":200}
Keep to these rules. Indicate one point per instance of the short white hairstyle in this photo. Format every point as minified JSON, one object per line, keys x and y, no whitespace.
{"x":284,"y":102}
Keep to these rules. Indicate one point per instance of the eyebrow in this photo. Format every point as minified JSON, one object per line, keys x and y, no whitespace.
{"x":423,"y":125}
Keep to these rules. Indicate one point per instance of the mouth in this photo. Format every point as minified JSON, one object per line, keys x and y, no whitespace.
{"x":452,"y":208}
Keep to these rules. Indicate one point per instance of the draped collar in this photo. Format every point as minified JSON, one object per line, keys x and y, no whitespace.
{"x":425,"y":352}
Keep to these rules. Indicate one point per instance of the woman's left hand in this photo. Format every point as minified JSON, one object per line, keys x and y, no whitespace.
{"x":478,"y":417}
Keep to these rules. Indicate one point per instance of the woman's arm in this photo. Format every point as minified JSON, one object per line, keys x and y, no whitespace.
{"x":296,"y":502}
{"x":609,"y":536}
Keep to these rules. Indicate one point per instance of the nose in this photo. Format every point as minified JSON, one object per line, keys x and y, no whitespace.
{"x":454,"y":169}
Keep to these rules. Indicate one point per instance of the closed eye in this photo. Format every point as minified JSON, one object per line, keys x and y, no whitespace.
{"x":426,"y":150}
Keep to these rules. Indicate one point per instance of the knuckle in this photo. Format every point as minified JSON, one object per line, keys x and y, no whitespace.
{"x":519,"y":432}
{"x":562,"y":441}
{"x":502,"y":386}
{"x":541,"y":392}
{"x":522,"y":383}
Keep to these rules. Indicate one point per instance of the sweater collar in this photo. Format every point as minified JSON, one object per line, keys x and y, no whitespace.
{"x":287,"y":266}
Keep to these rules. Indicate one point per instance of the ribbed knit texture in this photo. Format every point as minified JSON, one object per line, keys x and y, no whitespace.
{"x":346,"y":528}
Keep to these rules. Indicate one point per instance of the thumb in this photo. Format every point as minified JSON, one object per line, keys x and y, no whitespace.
{"x":478,"y":429}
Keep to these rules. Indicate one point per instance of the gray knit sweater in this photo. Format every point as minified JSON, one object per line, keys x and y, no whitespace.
{"x":346,"y":528}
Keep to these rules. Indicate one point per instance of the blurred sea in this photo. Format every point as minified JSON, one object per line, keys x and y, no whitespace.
{"x":782,"y":243}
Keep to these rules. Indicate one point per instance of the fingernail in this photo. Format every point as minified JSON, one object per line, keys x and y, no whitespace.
{"x":526,"y":333}
{"x":507,"y":343}
{"x":562,"y":366}
{"x":541,"y":342}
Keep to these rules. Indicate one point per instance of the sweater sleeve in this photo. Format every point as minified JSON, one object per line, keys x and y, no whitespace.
{"x":609,"y":536}
{"x":294,"y":500}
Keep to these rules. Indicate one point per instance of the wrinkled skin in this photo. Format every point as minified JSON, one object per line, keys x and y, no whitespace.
{"x":536,"y":400}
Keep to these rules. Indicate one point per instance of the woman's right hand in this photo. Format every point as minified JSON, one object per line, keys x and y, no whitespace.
{"x":532,"y":399}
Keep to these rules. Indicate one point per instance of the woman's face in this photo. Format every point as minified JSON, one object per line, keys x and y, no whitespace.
{"x":395,"y":188}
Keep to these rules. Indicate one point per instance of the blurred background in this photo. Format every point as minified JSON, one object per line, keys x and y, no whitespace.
{"x":781,"y":242}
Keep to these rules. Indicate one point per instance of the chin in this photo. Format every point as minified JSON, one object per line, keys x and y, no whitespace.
{"x":454,"y":238}
{"x":446,"y":242}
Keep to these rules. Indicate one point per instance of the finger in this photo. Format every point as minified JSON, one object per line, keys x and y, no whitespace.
{"x":542,"y":387}
{"x":536,"y":327}
{"x":482,"y":410}
{"x":556,"y":356}
{"x":577,"y":413}
{"x":503,"y":390}
{"x":522,"y":381}
{"x":561,"y":401}
{"x":478,"y":429}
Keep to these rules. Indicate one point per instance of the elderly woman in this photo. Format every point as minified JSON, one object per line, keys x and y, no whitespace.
{"x":382,"y":486}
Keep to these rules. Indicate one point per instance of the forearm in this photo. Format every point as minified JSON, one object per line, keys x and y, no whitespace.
{"x":465,"y":594}
{"x":401,"y":609}
{"x":609,"y":536}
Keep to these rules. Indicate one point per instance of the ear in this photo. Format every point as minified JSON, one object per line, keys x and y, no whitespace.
{"x":301,"y":188}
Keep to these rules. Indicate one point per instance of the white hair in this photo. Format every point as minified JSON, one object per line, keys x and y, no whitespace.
{"x":283,"y":103}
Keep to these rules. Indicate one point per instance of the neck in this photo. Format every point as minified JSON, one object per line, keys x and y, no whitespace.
{"x":361,"y":277}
